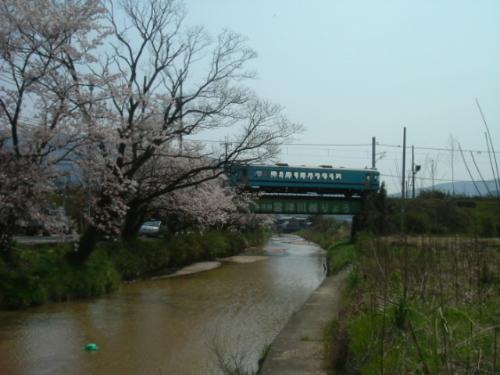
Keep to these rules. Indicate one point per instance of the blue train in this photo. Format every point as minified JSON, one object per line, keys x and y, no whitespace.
{"x":325,"y":179}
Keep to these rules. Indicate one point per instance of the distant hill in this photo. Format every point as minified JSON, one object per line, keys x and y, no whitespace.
{"x":463,"y":188}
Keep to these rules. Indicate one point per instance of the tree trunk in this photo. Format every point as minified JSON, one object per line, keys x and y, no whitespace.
{"x":6,"y":249}
{"x":86,"y":245}
{"x":133,"y":220}
{"x":6,"y":242}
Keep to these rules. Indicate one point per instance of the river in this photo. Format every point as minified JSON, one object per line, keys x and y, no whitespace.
{"x":180,"y":325}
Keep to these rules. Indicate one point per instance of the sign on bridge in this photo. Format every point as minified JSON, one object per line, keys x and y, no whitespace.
{"x":314,"y":205}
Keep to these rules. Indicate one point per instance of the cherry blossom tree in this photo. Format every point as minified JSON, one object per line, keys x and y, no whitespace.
{"x":168,"y":81}
{"x":114,"y":87}
{"x":210,"y":204}
{"x":39,"y":126}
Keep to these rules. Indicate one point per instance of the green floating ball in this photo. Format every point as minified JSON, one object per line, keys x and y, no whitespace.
{"x":91,"y":347}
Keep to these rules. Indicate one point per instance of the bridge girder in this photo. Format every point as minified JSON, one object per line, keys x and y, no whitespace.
{"x":315,"y":205}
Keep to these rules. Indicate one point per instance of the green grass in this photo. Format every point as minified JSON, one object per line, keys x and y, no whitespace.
{"x":428,"y":308}
{"x":42,"y":273}
{"x":341,"y":255}
{"x":325,"y":232}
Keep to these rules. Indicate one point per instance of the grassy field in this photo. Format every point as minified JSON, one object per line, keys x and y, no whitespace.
{"x":421,"y":307}
{"x":419,"y":304}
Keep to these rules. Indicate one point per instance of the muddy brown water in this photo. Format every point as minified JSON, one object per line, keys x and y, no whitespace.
{"x":176,"y":325}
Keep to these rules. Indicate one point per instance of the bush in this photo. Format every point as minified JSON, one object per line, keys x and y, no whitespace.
{"x":341,"y":255}
{"x":46,"y":276}
{"x":42,"y":273}
{"x":215,"y":245}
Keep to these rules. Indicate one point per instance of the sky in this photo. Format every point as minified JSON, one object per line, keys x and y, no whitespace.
{"x":350,"y":70}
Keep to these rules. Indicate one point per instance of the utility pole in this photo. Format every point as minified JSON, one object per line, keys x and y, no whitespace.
{"x":373,"y":152}
{"x":403,"y":185}
{"x":412,"y":171}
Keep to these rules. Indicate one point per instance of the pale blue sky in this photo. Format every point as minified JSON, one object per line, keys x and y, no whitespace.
{"x":349,"y":70}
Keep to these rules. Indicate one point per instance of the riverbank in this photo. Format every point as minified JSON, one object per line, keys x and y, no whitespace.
{"x":211,"y":265}
{"x":429,"y":305}
{"x":299,"y":348}
{"x":423,"y":302}
{"x":190,"y":325}
{"x":43,"y":275}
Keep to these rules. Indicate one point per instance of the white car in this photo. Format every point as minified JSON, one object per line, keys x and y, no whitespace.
{"x":150,"y":228}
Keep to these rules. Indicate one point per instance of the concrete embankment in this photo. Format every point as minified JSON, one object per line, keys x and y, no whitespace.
{"x":299,"y":347}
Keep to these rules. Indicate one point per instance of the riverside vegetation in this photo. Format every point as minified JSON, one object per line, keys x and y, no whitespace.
{"x":43,"y":274}
{"x":420,"y":304}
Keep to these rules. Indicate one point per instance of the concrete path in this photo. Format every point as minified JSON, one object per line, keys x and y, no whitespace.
{"x":298,"y":348}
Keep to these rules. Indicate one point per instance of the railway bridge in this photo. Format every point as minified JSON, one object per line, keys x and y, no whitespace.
{"x":323,"y":190}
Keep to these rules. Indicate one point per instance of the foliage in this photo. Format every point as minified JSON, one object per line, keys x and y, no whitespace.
{"x":376,"y":214}
{"x":424,"y":306}
{"x":341,"y":255}
{"x":107,"y":90}
{"x":210,"y":204}
{"x":325,"y":231}
{"x":430,"y":213}
{"x":39,"y":126}
{"x":42,"y":273}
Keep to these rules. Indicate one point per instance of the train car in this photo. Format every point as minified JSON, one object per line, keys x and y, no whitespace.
{"x":281,"y":178}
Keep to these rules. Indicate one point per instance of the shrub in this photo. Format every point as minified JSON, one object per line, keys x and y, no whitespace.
{"x":42,"y":273}
{"x":341,"y":255}
{"x":215,"y":245}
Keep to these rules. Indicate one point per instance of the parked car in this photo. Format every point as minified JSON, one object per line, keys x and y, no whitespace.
{"x":150,"y":228}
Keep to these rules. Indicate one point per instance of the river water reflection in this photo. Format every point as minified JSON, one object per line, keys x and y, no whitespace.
{"x":167,"y":326}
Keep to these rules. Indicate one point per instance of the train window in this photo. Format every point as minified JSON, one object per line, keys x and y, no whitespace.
{"x":281,"y":174}
{"x":288,"y":174}
{"x":338,"y":176}
{"x":317,"y":175}
{"x":258,"y":173}
{"x":331,"y":176}
{"x":324,"y":176}
{"x":303,"y":175}
{"x":274,"y":174}
{"x":367,"y":177}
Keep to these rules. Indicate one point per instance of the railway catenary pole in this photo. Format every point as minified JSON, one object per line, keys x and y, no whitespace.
{"x":412,"y":171}
{"x":373,"y":152}
{"x":403,"y":195}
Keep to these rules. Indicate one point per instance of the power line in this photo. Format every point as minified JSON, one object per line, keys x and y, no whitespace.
{"x":429,"y":148}
{"x":293,"y":144}
{"x":424,"y":178}
{"x":436,"y":148}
